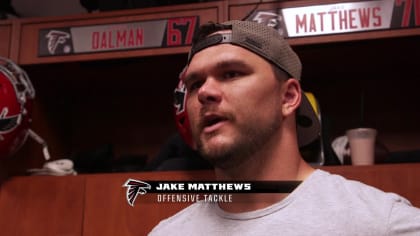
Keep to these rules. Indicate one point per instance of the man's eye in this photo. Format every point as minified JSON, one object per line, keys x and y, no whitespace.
{"x":231,"y":74}
{"x":194,"y":86}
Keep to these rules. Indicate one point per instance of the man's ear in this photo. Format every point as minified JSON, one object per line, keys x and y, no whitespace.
{"x":292,"y":95}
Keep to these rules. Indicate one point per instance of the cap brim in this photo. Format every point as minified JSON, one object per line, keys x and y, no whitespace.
{"x":308,"y":123}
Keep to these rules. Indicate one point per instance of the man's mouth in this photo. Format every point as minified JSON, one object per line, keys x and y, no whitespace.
{"x":212,"y":122}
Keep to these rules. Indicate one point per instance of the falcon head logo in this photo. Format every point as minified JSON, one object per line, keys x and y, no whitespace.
{"x":268,"y":18}
{"x":56,"y":38}
{"x":134,"y":188}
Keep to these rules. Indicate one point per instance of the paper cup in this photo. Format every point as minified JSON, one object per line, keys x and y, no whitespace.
{"x":362,"y":145}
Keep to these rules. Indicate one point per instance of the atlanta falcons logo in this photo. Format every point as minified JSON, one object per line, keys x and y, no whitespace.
{"x":268,"y":18}
{"x":56,"y":38}
{"x":135,"y":187}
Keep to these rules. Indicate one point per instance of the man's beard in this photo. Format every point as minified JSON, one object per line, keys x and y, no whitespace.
{"x":252,"y":137}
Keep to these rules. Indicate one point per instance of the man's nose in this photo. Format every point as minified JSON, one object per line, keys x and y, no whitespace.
{"x":210,"y":92}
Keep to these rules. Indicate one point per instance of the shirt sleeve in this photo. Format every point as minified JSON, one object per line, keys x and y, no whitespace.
{"x":404,"y":219}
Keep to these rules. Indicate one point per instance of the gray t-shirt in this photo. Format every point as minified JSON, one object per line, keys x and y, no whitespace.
{"x":324,"y":204}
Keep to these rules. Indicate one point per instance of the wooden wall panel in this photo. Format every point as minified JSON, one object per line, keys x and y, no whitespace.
{"x":5,"y":38}
{"x":42,"y":205}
